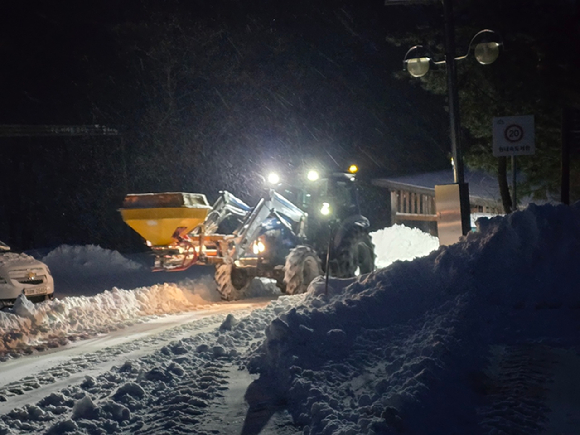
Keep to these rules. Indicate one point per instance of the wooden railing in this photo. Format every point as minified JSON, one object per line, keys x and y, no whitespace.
{"x":417,"y":204}
{"x":409,"y":203}
{"x":412,"y":206}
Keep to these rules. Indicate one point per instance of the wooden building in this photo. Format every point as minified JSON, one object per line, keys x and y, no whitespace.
{"x":412,"y":198}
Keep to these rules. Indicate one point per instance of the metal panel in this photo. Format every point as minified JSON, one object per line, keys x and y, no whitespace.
{"x":450,"y":226}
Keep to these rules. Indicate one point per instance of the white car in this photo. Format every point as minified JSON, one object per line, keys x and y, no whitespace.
{"x":22,"y":274}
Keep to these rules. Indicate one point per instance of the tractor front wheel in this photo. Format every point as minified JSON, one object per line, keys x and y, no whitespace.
{"x":232,"y":282}
{"x":302,"y":266}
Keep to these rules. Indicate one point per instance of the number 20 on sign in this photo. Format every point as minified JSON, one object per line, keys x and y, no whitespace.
{"x":513,"y":136}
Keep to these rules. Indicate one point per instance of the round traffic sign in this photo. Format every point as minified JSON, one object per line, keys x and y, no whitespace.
{"x":514,"y":133}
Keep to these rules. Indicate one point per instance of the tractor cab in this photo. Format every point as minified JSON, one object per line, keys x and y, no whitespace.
{"x":328,"y":199}
{"x":331,"y":198}
{"x":325,"y":197}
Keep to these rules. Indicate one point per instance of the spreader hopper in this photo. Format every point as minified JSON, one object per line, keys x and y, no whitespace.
{"x":163,"y":218}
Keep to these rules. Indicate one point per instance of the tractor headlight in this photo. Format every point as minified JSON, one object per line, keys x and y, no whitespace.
{"x":325,"y":209}
{"x":313,"y":175}
{"x":258,"y":247}
{"x":273,"y":178}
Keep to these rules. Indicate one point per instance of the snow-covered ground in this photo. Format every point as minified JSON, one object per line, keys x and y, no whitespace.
{"x":30,"y":327}
{"x":478,"y":337}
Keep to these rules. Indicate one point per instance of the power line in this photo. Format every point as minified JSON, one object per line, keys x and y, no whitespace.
{"x":56,"y":130}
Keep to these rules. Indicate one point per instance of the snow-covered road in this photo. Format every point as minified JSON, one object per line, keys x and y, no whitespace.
{"x":164,"y":358}
{"x":100,"y":383}
{"x":20,"y":377}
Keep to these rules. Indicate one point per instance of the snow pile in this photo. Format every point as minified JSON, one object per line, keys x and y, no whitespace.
{"x":399,"y":242}
{"x":405,"y":348}
{"x":56,"y":322}
{"x":88,"y":260}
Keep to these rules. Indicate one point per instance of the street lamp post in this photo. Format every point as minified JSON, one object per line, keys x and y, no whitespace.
{"x":455,"y":127}
{"x":454,"y":124}
{"x":485,"y":45}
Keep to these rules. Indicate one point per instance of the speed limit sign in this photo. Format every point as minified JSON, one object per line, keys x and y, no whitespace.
{"x":513,"y":136}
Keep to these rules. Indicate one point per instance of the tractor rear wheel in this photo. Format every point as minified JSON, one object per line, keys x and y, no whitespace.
{"x":302,"y":266}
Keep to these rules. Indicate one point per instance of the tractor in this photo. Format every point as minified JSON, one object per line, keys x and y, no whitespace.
{"x":295,"y":233}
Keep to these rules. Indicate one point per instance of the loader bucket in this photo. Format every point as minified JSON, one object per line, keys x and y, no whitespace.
{"x":161,"y":218}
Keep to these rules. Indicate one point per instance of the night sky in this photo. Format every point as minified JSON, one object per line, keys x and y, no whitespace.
{"x":203,"y":95}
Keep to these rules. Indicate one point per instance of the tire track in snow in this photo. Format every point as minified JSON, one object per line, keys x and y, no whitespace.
{"x":24,"y":379}
{"x":517,"y":391}
{"x":183,"y":387}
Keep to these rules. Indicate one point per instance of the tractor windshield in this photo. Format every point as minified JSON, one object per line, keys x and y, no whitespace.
{"x":338,"y":193}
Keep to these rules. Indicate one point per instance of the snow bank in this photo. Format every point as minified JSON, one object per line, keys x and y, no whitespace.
{"x":395,"y":350}
{"x":88,"y":260}
{"x":52,"y":323}
{"x":399,"y":242}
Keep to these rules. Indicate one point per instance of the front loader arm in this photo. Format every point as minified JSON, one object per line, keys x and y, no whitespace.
{"x":225,"y":206}
{"x":248,"y":232}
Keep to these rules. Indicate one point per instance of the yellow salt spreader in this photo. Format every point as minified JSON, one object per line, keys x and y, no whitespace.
{"x":177,"y":226}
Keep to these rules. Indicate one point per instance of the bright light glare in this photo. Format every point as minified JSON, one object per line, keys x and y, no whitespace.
{"x":325,"y":210}
{"x":353,"y":169}
{"x":313,"y":175}
{"x":273,"y":178}
{"x":258,"y":247}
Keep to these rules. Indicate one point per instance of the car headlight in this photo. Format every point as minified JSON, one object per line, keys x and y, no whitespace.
{"x":325,"y":209}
